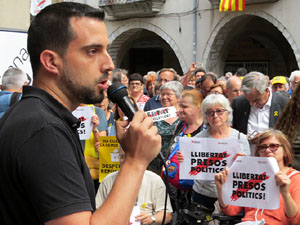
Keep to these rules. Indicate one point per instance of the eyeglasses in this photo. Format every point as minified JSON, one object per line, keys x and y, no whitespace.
{"x":272,"y":147}
{"x":166,"y":94}
{"x":135,"y":83}
{"x":215,"y":92}
{"x":163,"y":80}
{"x":211,"y":113}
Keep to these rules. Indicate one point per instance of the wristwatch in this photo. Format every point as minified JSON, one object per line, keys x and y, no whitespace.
{"x":153,"y":220}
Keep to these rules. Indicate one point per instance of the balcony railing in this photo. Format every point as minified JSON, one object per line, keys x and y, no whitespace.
{"x":248,"y":2}
{"x":131,"y":8}
{"x":116,"y":2}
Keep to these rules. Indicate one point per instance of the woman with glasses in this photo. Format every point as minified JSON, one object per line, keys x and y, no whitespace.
{"x":271,"y":143}
{"x":170,"y":93}
{"x":216,"y":109}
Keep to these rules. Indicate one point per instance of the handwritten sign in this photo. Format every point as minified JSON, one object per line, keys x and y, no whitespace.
{"x":162,"y":113}
{"x":204,"y":157}
{"x":108,"y":156}
{"x":251,"y":183}
{"x":84,"y":114}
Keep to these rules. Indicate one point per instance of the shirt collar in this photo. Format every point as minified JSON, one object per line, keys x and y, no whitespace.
{"x":268,"y":104}
{"x":53,"y":104}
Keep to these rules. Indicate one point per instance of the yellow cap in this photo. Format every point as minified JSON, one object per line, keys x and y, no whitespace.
{"x":279,"y":80}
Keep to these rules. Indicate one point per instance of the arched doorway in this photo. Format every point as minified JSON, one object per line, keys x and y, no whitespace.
{"x":253,"y":42}
{"x":142,"y":47}
{"x":145,"y":51}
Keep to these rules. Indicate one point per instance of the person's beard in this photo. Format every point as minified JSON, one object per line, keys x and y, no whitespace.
{"x":84,"y":94}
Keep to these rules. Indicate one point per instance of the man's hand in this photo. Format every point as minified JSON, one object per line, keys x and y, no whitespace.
{"x":144,"y":218}
{"x":140,"y":141}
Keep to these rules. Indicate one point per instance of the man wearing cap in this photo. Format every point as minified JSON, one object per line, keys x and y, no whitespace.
{"x":279,"y":83}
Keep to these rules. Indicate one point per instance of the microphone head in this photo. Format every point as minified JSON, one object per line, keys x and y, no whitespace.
{"x":116,"y":91}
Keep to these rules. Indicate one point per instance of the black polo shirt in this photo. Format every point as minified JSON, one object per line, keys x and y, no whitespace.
{"x":42,"y":167}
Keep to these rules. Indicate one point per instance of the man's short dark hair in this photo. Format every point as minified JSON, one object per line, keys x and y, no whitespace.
{"x":207,"y":76}
{"x":51,"y":29}
{"x":117,"y":75}
{"x":136,"y":76}
{"x":200,"y":70}
{"x":241,"y":72}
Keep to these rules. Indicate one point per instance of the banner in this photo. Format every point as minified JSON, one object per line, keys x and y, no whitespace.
{"x":38,"y":5}
{"x":13,"y":52}
{"x":232,"y":5}
{"x":108,"y":156}
{"x":204,"y":157}
{"x":84,"y":114}
{"x":162,"y":113}
{"x":251,"y":183}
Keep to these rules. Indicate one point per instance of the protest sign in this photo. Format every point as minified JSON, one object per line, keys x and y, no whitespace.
{"x":135,"y":212}
{"x":162,"y":113}
{"x":251,"y":183}
{"x":84,"y":114}
{"x":108,"y":156}
{"x":204,"y":157}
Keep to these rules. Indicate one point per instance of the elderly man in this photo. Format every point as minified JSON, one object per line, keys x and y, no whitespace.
{"x":233,"y":88}
{"x":163,"y":76}
{"x":258,"y":109}
{"x":294,"y":79}
{"x":13,"y":81}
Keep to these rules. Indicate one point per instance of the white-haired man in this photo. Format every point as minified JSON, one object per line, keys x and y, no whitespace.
{"x":13,"y":81}
{"x":258,"y":109}
{"x":294,"y":79}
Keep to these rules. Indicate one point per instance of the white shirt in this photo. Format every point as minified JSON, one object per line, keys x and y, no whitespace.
{"x":258,"y":120}
{"x":151,"y":197}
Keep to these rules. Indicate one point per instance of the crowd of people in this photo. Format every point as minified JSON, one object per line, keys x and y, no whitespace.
{"x":258,"y":112}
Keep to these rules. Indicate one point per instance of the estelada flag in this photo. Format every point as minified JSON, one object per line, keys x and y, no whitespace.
{"x":232,"y":5}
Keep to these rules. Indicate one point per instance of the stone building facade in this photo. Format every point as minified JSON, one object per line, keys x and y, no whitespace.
{"x":150,"y":34}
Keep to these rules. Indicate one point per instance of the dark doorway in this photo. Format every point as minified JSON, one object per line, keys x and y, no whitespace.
{"x":143,"y":60}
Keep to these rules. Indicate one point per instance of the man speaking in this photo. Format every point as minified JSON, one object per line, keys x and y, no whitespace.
{"x":44,"y":178}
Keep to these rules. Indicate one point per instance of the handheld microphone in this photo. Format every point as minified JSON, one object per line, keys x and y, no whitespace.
{"x":118,"y":94}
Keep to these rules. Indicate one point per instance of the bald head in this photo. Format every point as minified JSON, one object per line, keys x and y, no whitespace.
{"x":233,"y":86}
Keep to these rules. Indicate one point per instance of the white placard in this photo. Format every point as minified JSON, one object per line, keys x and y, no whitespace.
{"x":13,"y":52}
{"x":162,"y":113}
{"x":135,"y":212}
{"x":38,"y":5}
{"x":204,"y":157}
{"x":84,"y":113}
{"x":251,"y":183}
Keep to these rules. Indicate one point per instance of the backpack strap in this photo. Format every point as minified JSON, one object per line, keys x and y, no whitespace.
{"x":14,"y":98}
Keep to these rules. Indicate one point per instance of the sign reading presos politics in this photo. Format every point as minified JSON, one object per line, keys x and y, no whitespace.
{"x":251,"y":183}
{"x":204,"y":157}
{"x":162,"y":113}
{"x":108,"y":156}
{"x":84,"y":114}
{"x":13,"y":52}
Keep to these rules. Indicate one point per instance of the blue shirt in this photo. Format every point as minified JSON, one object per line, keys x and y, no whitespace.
{"x":5,"y":97}
{"x":153,"y":103}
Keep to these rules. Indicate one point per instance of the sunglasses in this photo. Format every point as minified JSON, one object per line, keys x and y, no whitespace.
{"x":211,"y":113}
{"x":272,"y":147}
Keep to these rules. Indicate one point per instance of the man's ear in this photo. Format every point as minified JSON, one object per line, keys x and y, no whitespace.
{"x":51,"y":61}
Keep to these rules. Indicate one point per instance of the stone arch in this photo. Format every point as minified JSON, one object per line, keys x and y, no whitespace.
{"x":215,"y":42}
{"x":121,"y":34}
